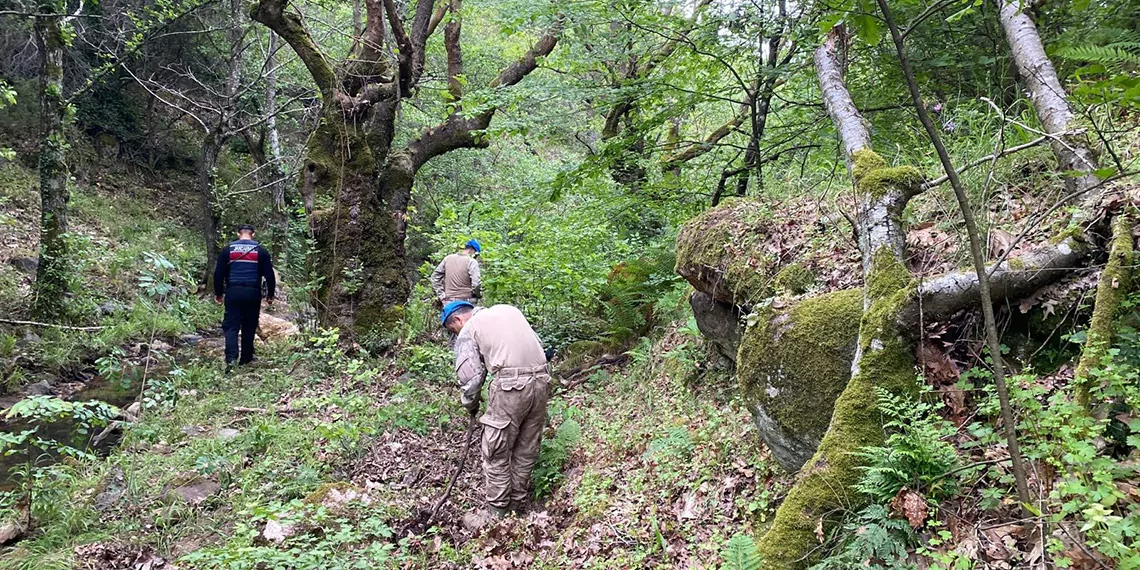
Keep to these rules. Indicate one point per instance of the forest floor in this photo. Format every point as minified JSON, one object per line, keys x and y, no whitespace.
{"x":318,"y":459}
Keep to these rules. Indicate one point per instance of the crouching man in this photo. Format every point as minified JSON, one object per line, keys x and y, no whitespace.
{"x":499,"y":340}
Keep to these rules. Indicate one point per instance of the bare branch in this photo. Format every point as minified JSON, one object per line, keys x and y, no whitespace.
{"x":458,"y":132}
{"x":289,"y":27}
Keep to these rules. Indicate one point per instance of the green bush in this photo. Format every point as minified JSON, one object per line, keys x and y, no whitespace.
{"x":548,"y":473}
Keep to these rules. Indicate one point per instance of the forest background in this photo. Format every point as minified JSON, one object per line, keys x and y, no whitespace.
{"x":611,"y":157}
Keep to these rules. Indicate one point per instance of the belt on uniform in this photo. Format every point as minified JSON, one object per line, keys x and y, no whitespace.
{"x":519,"y":377}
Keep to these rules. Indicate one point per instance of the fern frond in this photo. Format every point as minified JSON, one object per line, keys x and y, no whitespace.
{"x":1105,"y":55}
{"x":740,"y":554}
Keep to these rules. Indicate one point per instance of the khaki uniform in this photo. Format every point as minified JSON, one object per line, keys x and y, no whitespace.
{"x":499,"y":340}
{"x":456,"y":278}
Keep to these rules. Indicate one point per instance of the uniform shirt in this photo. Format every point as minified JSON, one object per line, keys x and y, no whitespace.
{"x":243,"y":263}
{"x":492,"y":339}
{"x":456,"y":277}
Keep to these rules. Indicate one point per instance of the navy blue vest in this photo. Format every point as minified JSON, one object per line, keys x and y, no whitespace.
{"x":244,"y":264}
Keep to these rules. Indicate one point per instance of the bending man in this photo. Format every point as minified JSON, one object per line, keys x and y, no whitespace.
{"x":499,"y":340}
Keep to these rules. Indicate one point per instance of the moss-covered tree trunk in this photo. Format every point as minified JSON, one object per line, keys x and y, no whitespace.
{"x":1114,"y":284}
{"x":358,"y":228}
{"x":52,"y":271}
{"x":884,"y":358}
{"x":356,"y":184}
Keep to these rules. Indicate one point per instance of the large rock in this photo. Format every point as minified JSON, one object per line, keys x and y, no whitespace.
{"x":721,"y":252}
{"x":792,"y":364}
{"x":273,"y":328}
{"x":719,"y":322}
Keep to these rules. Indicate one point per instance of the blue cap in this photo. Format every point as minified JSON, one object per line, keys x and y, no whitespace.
{"x":474,"y":244}
{"x":450,"y":310}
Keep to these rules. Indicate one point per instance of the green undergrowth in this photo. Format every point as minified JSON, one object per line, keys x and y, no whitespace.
{"x":928,"y":468}
{"x":652,"y":464}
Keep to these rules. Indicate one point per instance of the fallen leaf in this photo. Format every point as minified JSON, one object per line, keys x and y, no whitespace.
{"x":911,"y":506}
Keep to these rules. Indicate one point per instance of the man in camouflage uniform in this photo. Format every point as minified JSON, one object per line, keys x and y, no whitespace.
{"x":499,"y":340}
{"x":457,"y":277}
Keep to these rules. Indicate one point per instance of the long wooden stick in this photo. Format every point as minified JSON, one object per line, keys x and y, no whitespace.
{"x":50,"y":325}
{"x":458,"y":469}
{"x":1008,"y":421}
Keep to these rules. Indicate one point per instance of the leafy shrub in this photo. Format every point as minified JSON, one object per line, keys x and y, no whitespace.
{"x":740,"y":554}
{"x":552,"y":457}
{"x":914,"y":456}
{"x":874,"y":541}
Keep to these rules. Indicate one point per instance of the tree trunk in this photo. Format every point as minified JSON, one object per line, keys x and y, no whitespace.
{"x":1048,"y":96}
{"x":360,"y":235}
{"x":276,"y":168}
{"x":52,"y":271}
{"x":1114,"y":284}
{"x":208,"y":198}
{"x":350,"y":160}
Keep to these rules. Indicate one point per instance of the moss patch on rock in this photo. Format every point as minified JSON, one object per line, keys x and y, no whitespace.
{"x":719,"y":252}
{"x":793,"y":364}
{"x":794,"y":279}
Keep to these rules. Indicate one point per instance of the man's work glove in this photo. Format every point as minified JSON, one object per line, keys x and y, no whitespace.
{"x":438,"y":303}
{"x":549,"y":352}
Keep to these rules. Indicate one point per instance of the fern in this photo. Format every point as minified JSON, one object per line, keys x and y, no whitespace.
{"x":552,"y":457}
{"x":874,"y":541}
{"x":740,"y":554}
{"x":1114,"y":54}
{"x":914,"y":456}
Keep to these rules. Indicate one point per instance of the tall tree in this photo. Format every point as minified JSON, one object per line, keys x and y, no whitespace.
{"x":51,"y":274}
{"x":351,"y":159}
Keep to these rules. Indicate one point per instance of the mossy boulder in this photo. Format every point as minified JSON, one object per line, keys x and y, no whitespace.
{"x":721,"y":253}
{"x":792,"y":364}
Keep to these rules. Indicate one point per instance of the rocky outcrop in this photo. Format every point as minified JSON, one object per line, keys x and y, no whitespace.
{"x":271,"y":328}
{"x":719,"y":252}
{"x":792,"y":364}
{"x":719,"y":322}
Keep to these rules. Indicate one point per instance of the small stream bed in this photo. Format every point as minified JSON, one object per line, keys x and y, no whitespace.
{"x":64,"y":431}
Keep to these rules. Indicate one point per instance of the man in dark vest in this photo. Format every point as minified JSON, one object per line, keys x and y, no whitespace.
{"x":237,"y":279}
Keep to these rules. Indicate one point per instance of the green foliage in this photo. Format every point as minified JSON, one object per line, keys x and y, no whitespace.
{"x":875,"y":541}
{"x":740,"y":554}
{"x":550,"y":470}
{"x":37,"y":418}
{"x":915,"y":455}
{"x":308,"y":537}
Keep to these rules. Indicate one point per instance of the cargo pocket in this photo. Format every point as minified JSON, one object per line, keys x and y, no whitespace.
{"x":494,"y":435}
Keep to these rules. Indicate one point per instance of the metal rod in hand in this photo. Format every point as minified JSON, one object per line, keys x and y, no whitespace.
{"x":458,"y":469}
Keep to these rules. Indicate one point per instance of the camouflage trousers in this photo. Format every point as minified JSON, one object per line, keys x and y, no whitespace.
{"x":512,"y":433}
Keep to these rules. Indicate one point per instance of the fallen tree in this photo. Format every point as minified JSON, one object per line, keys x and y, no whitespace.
{"x":859,"y":361}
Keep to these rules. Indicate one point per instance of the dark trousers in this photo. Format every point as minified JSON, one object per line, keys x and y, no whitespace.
{"x":243,"y":307}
